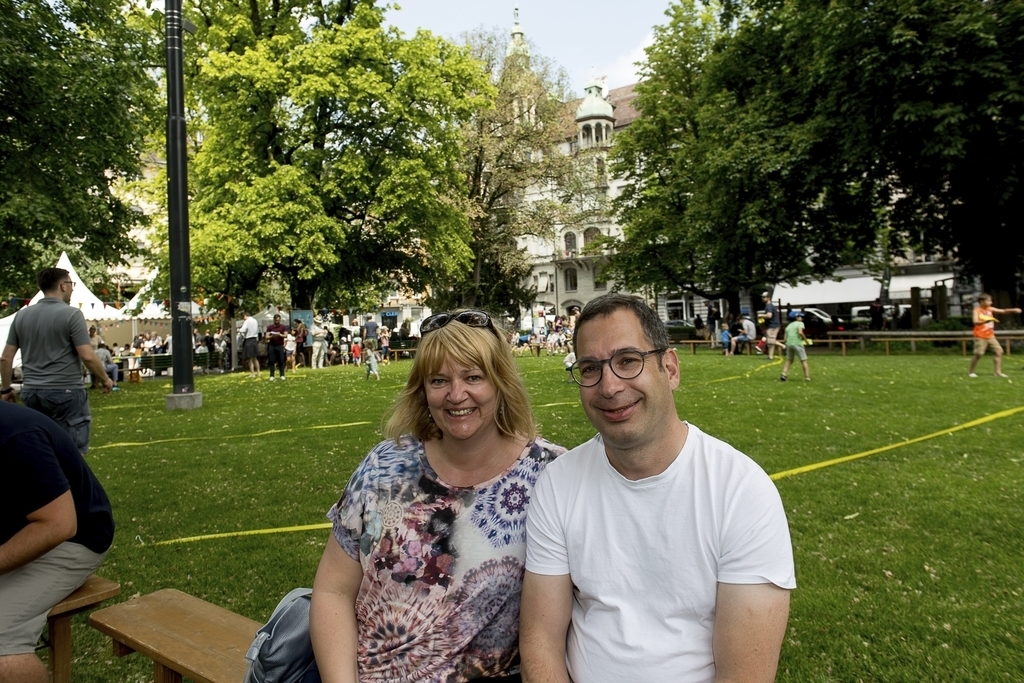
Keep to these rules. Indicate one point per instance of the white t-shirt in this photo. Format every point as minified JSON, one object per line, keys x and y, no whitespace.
{"x":250,"y":328}
{"x":646,"y":556}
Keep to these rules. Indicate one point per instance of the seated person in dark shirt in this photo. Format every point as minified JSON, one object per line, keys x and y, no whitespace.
{"x":55,"y":529}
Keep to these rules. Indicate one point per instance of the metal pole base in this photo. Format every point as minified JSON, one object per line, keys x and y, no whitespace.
{"x":189,"y":401}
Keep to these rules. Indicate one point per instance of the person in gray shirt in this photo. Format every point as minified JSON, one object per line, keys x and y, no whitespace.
{"x":54,"y":343}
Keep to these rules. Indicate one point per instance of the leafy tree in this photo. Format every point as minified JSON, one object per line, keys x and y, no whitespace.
{"x":804,"y":135}
{"x":521,"y":179}
{"x":717,"y":200}
{"x":75,"y":105}
{"x":915,"y":107}
{"x":327,"y":150}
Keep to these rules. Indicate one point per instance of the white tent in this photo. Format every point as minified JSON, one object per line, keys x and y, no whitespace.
{"x":852,"y":290}
{"x":82,"y":297}
{"x":144,"y":307}
{"x":900,"y":285}
{"x":265,"y":316}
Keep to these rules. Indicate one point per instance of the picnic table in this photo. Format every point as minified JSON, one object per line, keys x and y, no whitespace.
{"x":914,"y":336}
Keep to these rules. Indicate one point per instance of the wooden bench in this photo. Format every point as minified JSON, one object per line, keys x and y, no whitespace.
{"x":400,"y":346}
{"x":964,"y":341}
{"x":963,"y":338}
{"x":158,"y":362}
{"x":95,"y":590}
{"x":183,"y":635}
{"x":844,"y":342}
{"x":693,"y":343}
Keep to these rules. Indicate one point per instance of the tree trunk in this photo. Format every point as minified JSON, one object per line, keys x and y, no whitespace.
{"x":303,"y":293}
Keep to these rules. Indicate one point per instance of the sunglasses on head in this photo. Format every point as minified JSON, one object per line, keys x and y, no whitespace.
{"x":468,"y":318}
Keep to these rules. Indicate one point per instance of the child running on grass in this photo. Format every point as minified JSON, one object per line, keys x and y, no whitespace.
{"x":985,"y":333}
{"x":371,"y":364}
{"x":795,"y":341}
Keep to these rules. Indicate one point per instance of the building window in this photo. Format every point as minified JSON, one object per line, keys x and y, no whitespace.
{"x":570,"y":280}
{"x":589,"y":234}
{"x":570,"y":244}
{"x":600,"y":282}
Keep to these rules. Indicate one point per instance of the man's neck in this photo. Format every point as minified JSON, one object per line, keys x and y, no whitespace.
{"x":650,"y":460}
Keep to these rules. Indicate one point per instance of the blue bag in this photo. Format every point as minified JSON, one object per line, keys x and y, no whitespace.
{"x":282,"y":651}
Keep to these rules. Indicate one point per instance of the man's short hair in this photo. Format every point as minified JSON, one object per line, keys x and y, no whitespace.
{"x":277,"y":316}
{"x":606,"y":304}
{"x":49,"y":279}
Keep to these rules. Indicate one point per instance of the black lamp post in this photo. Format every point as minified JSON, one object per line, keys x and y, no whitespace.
{"x":184,"y":397}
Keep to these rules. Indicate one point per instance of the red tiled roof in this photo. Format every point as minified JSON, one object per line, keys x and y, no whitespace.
{"x":622,"y":100}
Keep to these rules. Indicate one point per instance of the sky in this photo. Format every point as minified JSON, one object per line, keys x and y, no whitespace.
{"x":587,"y":39}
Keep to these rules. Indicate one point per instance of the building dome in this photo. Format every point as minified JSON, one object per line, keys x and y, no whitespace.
{"x":517,"y":46}
{"x":594,"y":105}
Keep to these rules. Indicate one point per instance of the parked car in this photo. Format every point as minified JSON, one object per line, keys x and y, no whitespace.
{"x":861,"y":315}
{"x":818,"y":323}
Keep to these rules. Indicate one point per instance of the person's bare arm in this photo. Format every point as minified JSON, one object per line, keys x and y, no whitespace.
{"x":7,"y":372}
{"x":332,"y":615}
{"x":544,"y":616}
{"x":47,"y":528}
{"x":750,"y":623}
{"x":1002,"y":311}
{"x":92,"y":362}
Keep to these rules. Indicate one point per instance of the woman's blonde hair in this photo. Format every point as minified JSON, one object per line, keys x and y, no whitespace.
{"x":482,"y":347}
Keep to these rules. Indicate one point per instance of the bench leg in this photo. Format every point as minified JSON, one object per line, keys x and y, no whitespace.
{"x":161,"y":674}
{"x":60,"y":647}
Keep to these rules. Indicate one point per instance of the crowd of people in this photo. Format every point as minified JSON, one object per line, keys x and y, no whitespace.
{"x":317,"y":346}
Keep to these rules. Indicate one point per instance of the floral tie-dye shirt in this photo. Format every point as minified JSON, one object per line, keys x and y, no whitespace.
{"x":442,"y":566}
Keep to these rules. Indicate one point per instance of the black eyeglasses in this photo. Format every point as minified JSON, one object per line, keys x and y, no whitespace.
{"x":624,"y":365}
{"x":68,"y":282}
{"x":469,"y":318}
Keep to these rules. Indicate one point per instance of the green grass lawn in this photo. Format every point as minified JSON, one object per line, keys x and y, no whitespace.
{"x":909,"y":562}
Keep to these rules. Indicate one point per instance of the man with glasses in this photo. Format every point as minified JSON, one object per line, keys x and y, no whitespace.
{"x":54,"y":343}
{"x":654,"y":551}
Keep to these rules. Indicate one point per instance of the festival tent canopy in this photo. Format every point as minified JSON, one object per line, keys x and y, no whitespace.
{"x":900,"y":285}
{"x":143,"y":307}
{"x":266,"y":316}
{"x":82,"y":297}
{"x":851,"y":290}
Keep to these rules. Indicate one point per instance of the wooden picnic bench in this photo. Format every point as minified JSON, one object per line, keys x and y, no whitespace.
{"x":844,"y":342}
{"x":915,"y":336}
{"x":91,"y":593}
{"x":400,"y":346}
{"x":693,"y":344}
{"x":181,"y":634}
{"x":157,"y":362}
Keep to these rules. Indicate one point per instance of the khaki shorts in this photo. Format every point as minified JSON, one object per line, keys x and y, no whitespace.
{"x":772,"y":333}
{"x":982,"y":345}
{"x":29,"y":592}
